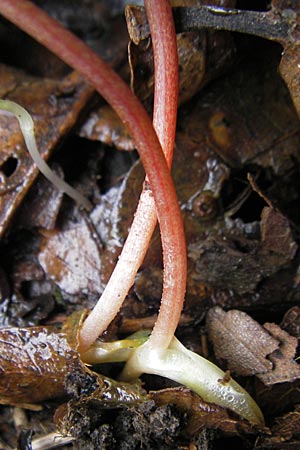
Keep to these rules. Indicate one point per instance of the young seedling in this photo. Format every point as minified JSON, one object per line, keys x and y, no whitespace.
{"x":161,"y":353}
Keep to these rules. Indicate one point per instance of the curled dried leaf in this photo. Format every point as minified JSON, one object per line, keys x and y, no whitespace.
{"x":241,"y":341}
{"x":285,"y":368}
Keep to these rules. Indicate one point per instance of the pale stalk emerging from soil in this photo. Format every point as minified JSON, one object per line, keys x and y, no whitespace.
{"x":164,"y":122}
{"x":27,"y":128}
{"x":77,"y":55}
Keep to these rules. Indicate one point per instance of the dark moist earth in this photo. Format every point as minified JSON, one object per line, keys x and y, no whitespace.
{"x":237,"y":174}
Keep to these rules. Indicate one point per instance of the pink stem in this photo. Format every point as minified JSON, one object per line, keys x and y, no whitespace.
{"x":136,"y":245}
{"x":77,"y":55}
{"x":163,"y":35}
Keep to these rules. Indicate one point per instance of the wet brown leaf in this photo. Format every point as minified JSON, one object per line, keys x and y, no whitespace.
{"x":31,"y":299}
{"x":249,"y":127}
{"x":285,"y":368}
{"x":248,"y":260}
{"x":103,"y":28}
{"x":289,"y":72}
{"x":241,"y":341}
{"x":33,"y":364}
{"x":201,"y":415}
{"x":105,"y":126}
{"x":42,"y":205}
{"x":72,"y":325}
{"x":277,"y":398}
{"x":289,"y":64}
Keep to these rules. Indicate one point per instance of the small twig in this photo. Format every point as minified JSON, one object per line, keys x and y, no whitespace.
{"x":263,"y":24}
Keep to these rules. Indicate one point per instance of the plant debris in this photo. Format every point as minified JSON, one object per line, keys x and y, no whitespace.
{"x":285,"y":367}
{"x":239,"y":340}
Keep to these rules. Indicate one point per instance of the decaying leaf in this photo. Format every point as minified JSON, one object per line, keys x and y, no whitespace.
{"x":42,"y":205}
{"x":241,"y":341}
{"x":33,"y":364}
{"x":105,"y":126}
{"x":285,"y":368}
{"x":71,"y":258}
{"x":277,"y":398}
{"x":289,"y":71}
{"x":276,"y":234}
{"x":291,"y":321}
{"x":248,"y":261}
{"x":251,"y":349}
{"x":285,"y":433}
{"x":201,"y":415}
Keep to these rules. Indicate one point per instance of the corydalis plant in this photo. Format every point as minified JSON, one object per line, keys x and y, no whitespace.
{"x":161,"y":353}
{"x":118,"y":94}
{"x":137,"y":242}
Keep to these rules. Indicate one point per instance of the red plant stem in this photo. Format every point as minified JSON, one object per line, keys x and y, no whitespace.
{"x":76,"y":54}
{"x":164,"y":120}
{"x":163,"y":35}
{"x":137,"y":242}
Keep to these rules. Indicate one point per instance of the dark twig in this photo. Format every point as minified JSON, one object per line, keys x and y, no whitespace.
{"x":268,"y":25}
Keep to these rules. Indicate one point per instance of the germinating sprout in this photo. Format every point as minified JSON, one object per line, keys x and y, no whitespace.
{"x":27,"y":128}
{"x":178,"y":364}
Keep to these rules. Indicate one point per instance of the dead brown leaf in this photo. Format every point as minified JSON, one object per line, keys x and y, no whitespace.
{"x":285,"y":368}
{"x":42,"y":205}
{"x":203,"y":55}
{"x":240,"y":341}
{"x":291,"y":321}
{"x":201,"y":415}
{"x":276,"y":234}
{"x":105,"y":126}
{"x":33,"y":364}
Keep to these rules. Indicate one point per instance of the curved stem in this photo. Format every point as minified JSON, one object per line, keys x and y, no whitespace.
{"x":123,"y":275}
{"x":164,"y":43}
{"x":76,"y":54}
{"x":136,"y":245}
